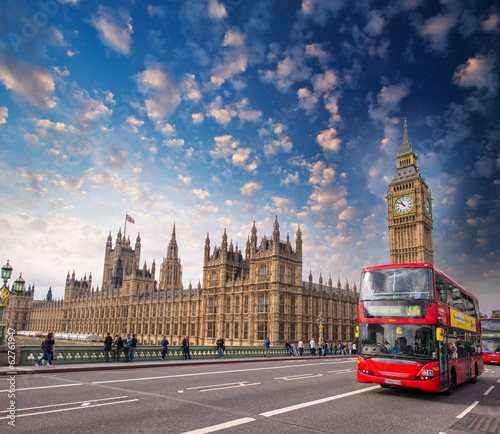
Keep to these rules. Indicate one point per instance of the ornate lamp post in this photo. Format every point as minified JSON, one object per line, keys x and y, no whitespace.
{"x":6,"y":293}
{"x":321,"y":323}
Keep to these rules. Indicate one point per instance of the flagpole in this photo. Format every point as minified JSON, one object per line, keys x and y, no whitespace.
{"x":125,"y":227}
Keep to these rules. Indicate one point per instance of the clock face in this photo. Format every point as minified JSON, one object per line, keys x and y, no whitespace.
{"x":403,"y":205}
{"x":427,"y":206}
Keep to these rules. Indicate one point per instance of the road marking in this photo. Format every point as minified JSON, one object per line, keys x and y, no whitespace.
{"x":316,"y":402}
{"x":45,"y":387}
{"x":469,"y":408}
{"x":66,"y":403}
{"x":489,"y":390}
{"x":298,"y":377}
{"x":196,"y":374}
{"x":341,"y":371}
{"x":230,"y":424}
{"x":222,"y":386}
{"x":70,"y":409}
{"x":498,"y":381}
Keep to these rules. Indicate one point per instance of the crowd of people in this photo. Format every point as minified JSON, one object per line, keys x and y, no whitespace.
{"x":127,"y":347}
{"x":323,"y":349}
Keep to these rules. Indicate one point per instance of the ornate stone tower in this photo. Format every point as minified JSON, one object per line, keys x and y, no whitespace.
{"x":171,"y":268}
{"x":409,"y":210}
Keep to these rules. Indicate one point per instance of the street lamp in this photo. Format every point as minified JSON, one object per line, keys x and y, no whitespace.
{"x":321,"y":323}
{"x":6,"y":293}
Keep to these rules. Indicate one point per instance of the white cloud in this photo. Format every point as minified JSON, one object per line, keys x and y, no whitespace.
{"x":474,"y":201}
{"x":307,"y":100}
{"x":162,"y":94}
{"x":88,"y":110}
{"x":216,"y":10}
{"x":233,"y":37}
{"x":234,"y":63}
{"x":325,"y":82}
{"x":114,"y":27}
{"x":134,"y":123}
{"x":199,"y":193}
{"x":197,"y":118}
{"x":436,"y":30}
{"x":289,"y":71}
{"x":250,"y":188}
{"x":190,"y":88}
{"x":224,"y":146}
{"x":491,"y":23}
{"x":327,"y":195}
{"x":328,"y":140}
{"x":315,"y":50}
{"x":4,"y":114}
{"x":184,"y":179}
{"x":245,"y":113}
{"x":221,"y":115}
{"x":46,"y":127}
{"x":173,"y":143}
{"x":321,"y":10}
{"x":477,"y":72}
{"x":28,"y":81}
{"x":291,"y":178}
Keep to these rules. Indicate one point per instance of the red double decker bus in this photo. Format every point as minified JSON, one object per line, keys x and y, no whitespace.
{"x":491,"y":339}
{"x":417,"y":329}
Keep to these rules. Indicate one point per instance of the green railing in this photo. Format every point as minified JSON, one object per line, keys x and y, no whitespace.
{"x":95,"y":353}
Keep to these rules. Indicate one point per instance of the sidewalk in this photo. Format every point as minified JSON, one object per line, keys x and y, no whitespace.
{"x":102,"y":366}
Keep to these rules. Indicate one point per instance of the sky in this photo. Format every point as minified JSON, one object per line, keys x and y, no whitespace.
{"x":213,"y":114}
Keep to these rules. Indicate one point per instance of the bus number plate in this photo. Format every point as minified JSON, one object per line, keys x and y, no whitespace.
{"x":398,"y":382}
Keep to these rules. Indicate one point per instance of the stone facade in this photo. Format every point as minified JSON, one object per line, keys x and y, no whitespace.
{"x":246,"y":297}
{"x":409,"y":210}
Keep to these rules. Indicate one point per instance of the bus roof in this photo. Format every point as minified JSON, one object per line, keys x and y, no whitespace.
{"x":423,"y":265}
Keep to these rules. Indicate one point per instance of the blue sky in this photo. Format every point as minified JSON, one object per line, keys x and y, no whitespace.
{"x":213,"y":114}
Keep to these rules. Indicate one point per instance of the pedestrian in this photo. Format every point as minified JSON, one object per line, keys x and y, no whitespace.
{"x":289,"y":347}
{"x":301,"y":347}
{"x":294,"y":349}
{"x":267,"y":344}
{"x":354,"y":348}
{"x":131,"y":351}
{"x":220,"y":347}
{"x":126,"y":346}
{"x":117,"y":345}
{"x":185,"y":347}
{"x":164,"y":347}
{"x":312,"y":346}
{"x":108,"y":343}
{"x":47,"y":346}
{"x":349,"y":346}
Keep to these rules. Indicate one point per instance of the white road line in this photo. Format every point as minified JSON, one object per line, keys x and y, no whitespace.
{"x":469,"y":408}
{"x":316,"y":402}
{"x":341,"y":371}
{"x":196,"y":374}
{"x":66,"y":403}
{"x":298,"y":377}
{"x":70,"y":409}
{"x":489,"y":390}
{"x":222,"y":386}
{"x":216,"y":385}
{"x":46,"y":387}
{"x":498,"y":381}
{"x":230,"y":424}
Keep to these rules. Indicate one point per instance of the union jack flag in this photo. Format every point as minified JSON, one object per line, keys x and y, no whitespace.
{"x":130,"y":219}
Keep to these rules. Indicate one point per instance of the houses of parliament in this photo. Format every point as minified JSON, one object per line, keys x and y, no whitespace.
{"x":245,"y":295}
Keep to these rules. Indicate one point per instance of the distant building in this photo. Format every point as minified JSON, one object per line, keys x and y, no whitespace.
{"x":409,"y":210}
{"x":246,"y":297}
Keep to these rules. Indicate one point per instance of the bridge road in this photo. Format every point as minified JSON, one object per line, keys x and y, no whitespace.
{"x":278,"y":396}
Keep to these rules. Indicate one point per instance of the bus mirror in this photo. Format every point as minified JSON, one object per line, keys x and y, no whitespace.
{"x":356,"y":335}
{"x":439,"y":334}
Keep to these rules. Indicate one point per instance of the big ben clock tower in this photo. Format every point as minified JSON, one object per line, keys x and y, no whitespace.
{"x":409,"y":210}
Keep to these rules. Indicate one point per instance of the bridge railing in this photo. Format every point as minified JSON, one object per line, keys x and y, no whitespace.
{"x":95,"y":353}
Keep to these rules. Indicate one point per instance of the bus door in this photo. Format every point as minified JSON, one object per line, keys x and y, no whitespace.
{"x":467,"y":362}
{"x":443,"y":358}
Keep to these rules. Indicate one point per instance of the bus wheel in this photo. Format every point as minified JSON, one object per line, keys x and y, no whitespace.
{"x":474,"y":380}
{"x":452,"y":384}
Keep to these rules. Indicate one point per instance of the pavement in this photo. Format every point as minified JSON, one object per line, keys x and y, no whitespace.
{"x":103,"y":366}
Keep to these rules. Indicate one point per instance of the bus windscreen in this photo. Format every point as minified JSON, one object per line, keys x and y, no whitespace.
{"x":396,"y":283}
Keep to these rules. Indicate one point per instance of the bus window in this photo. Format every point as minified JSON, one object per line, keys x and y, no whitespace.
{"x":441,"y":289}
